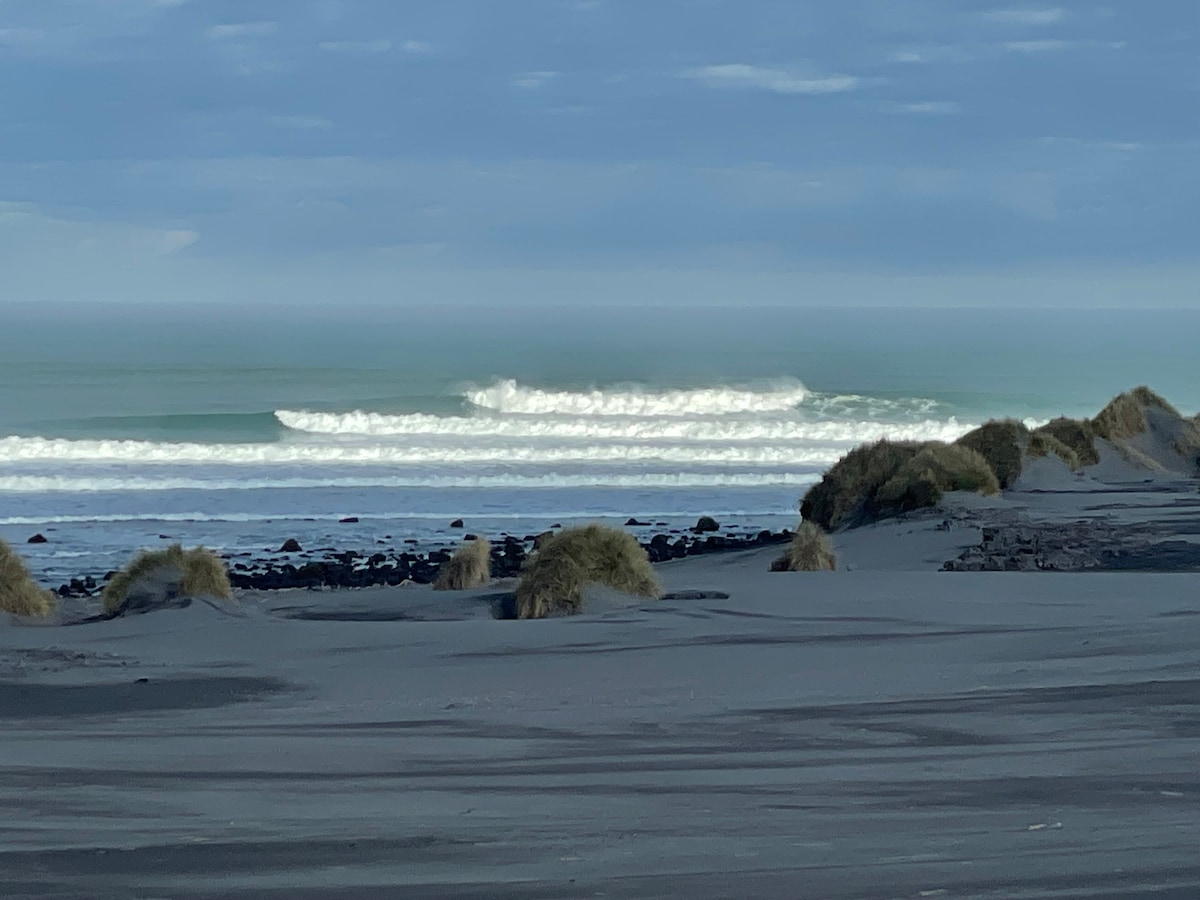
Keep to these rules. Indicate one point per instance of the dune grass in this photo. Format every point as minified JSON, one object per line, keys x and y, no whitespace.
{"x":1076,"y":434}
{"x":1043,"y":444}
{"x":1001,"y":443}
{"x":197,"y":572}
{"x":1125,"y":415}
{"x":847,"y":493}
{"x":470,"y":567}
{"x":809,"y":551}
{"x":935,"y":470}
{"x":20,"y":595}
{"x":554,"y":578}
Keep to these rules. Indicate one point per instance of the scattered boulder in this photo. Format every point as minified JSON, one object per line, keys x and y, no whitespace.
{"x":457,"y":523}
{"x":291,"y":545}
{"x":349,"y":520}
{"x":634,"y":523}
{"x":38,"y":539}
{"x":706,"y":525}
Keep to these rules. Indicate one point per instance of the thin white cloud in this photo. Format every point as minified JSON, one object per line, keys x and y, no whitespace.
{"x":174,"y":241}
{"x":300,"y":122}
{"x":1026,"y":16}
{"x":363,"y":47}
{"x":419,"y":48}
{"x":927,"y":108}
{"x":1049,"y":46}
{"x":238,"y":30}
{"x":533,"y":80}
{"x":929,"y":55}
{"x":778,"y":81}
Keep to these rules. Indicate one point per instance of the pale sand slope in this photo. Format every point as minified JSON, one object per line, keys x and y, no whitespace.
{"x":877,"y":733}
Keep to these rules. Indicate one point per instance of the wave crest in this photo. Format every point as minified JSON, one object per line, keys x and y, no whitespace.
{"x":508,"y":396}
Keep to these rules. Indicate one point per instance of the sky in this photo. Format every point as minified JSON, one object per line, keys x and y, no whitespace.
{"x":865,"y":152}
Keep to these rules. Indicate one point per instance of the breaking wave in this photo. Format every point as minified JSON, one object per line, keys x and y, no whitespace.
{"x":508,"y":396}
{"x":613,"y":428}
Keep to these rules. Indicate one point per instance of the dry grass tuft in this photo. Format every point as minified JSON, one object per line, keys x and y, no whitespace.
{"x":555,"y":576}
{"x":939,"y":468}
{"x":1043,"y":444}
{"x":1001,"y":443}
{"x":470,"y":567}
{"x":20,"y":595}
{"x":1125,"y":415}
{"x":847,"y":493}
{"x":1076,"y":434}
{"x":810,"y":551}
{"x":179,"y":573}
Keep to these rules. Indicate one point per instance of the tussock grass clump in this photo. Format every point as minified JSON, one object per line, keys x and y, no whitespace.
{"x":810,"y":551}
{"x":1042,"y":444}
{"x":19,"y":593}
{"x":1125,"y":415}
{"x":1076,"y":434}
{"x":174,"y":572}
{"x":1001,"y":443}
{"x":847,"y":493}
{"x":939,"y":468}
{"x":555,"y":576}
{"x":469,"y":567}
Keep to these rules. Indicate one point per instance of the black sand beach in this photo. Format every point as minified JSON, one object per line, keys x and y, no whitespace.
{"x":888,"y":731}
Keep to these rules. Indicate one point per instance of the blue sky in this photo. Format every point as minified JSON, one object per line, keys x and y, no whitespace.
{"x":937,"y":152}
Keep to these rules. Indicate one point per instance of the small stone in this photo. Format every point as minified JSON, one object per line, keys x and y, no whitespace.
{"x":37,"y":539}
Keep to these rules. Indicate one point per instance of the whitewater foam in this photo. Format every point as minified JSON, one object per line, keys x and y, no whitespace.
{"x":508,"y":396}
{"x":617,"y":428}
{"x":50,"y":484}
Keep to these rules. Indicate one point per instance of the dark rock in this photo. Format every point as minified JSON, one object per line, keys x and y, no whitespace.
{"x":349,"y":520}
{"x":37,"y":539}
{"x":706,"y":524}
{"x":634,"y":523}
{"x":457,"y":523}
{"x":470,"y":537}
{"x":291,"y":545}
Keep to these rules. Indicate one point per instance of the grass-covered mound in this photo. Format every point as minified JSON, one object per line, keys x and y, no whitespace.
{"x":470,"y":567}
{"x":1077,"y":435}
{"x":1149,"y":432}
{"x":1125,"y":415}
{"x":1042,"y":444}
{"x":1002,"y":443}
{"x":555,"y":576}
{"x":935,"y":470}
{"x":19,"y":593}
{"x":809,"y":551}
{"x":162,"y":575}
{"x":847,"y":493}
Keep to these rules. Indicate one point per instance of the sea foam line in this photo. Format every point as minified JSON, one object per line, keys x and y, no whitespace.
{"x":779,"y":452}
{"x":50,"y":484}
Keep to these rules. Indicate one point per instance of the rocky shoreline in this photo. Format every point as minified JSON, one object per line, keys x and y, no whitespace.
{"x":292,"y":566}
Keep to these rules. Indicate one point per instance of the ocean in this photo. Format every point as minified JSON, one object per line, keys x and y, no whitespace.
{"x":124,"y":427}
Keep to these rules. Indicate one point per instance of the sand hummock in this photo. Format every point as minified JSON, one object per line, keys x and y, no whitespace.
{"x":889,"y":729}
